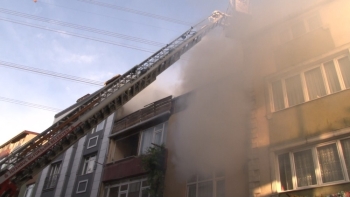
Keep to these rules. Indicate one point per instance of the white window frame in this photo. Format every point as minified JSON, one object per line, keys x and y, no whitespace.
{"x":317,"y":166}
{"x":92,"y":145}
{"x":163,"y":140}
{"x":29,"y":190}
{"x":304,"y":85}
{"x":83,"y":181}
{"x":127,"y":182}
{"x":214,"y":179}
{"x":86,"y":162}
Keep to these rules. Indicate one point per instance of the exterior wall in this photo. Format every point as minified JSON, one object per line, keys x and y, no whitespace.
{"x":72,"y":162}
{"x":306,"y":124}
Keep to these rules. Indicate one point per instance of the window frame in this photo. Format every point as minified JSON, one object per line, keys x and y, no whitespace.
{"x":316,"y":167}
{"x":29,"y":188}
{"x":91,"y":146}
{"x":127,"y":182}
{"x":85,"y":164}
{"x":214,"y":178}
{"x":82,"y":181}
{"x":301,"y":73}
{"x":154,"y":132}
{"x":54,"y":170}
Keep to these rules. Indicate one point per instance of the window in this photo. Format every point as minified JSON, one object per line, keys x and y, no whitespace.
{"x":328,"y":78}
{"x":315,"y":166}
{"x":300,"y":27}
{"x":209,"y":185}
{"x":52,"y":176}
{"x":29,"y":190}
{"x":89,"y":164}
{"x":82,"y":185}
{"x":154,"y":135}
{"x":128,"y":188}
{"x":100,"y":126}
{"x":92,"y":142}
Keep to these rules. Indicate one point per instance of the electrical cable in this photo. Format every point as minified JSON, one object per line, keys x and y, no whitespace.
{"x":159,"y":17}
{"x":108,"y":16}
{"x":33,"y":105}
{"x":80,"y":27}
{"x":78,"y":35}
{"x":51,"y":73}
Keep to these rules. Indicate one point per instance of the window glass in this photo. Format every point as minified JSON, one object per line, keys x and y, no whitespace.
{"x":191,"y":191}
{"x":134,"y":189}
{"x":113,"y":192}
{"x":346,"y":151}
{"x":155,"y":135}
{"x":285,"y":172}
{"x":344,"y":65}
{"x":29,"y":190}
{"x":294,"y":90}
{"x":100,"y":126}
{"x":277,"y":93}
{"x":329,"y":163}
{"x":147,"y":136}
{"x":332,"y":77}
{"x":220,"y":188}
{"x":52,"y":176}
{"x":315,"y":84}
{"x":304,"y":168}
{"x":89,"y":164}
{"x":205,"y":189}
{"x":82,"y":186}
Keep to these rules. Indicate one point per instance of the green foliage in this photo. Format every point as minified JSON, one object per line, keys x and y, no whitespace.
{"x":154,"y":163}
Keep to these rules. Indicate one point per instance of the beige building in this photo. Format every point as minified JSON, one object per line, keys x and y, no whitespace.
{"x":299,"y":141}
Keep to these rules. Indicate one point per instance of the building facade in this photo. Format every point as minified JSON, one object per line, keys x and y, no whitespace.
{"x":299,"y":141}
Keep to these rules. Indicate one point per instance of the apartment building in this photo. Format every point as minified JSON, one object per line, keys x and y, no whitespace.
{"x":299,"y":141}
{"x":12,"y":145}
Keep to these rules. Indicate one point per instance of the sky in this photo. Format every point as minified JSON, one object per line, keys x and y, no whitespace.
{"x":26,"y":40}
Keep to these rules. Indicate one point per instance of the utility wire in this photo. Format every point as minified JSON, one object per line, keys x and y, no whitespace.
{"x":78,"y":35}
{"x":159,"y":17}
{"x":51,"y":73}
{"x":109,"y":16}
{"x":29,"y":104}
{"x":80,"y":27}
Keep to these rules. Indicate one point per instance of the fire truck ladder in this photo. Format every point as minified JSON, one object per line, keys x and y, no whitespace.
{"x":32,"y":157}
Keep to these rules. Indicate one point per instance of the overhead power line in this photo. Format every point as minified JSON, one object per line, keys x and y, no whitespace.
{"x":81,"y":27}
{"x":159,"y":17}
{"x":108,"y":16}
{"x":78,"y":35}
{"x":29,"y":104}
{"x":51,"y":73}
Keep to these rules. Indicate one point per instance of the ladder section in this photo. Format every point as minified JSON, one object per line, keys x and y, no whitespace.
{"x":31,"y":158}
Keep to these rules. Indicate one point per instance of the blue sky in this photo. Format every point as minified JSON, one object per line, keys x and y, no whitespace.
{"x":59,"y":52}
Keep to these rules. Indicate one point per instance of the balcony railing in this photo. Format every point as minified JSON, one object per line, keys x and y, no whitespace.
{"x":144,"y":114}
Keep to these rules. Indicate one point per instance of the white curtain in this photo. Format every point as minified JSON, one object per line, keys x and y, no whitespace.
{"x":304,"y":168}
{"x":344,"y":65}
{"x":277,"y":93}
{"x":332,"y":77}
{"x":147,"y":137}
{"x":294,"y":90}
{"x":314,"y":83}
{"x":330,"y":163}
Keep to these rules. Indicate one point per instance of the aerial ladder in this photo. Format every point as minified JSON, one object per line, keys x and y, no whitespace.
{"x":27,"y":161}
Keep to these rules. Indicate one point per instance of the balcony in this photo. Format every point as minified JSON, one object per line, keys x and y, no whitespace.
{"x":127,"y":167}
{"x":154,"y":112}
